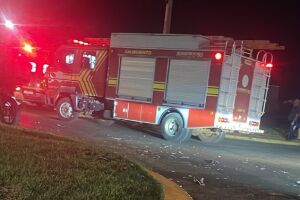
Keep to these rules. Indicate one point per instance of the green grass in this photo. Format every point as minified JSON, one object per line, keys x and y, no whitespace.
{"x":42,"y":166}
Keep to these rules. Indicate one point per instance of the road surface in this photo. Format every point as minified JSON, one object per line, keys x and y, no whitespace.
{"x":229,"y":170}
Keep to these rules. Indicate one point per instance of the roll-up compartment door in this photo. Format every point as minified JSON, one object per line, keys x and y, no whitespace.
{"x":136,"y":78}
{"x":187,"y":82}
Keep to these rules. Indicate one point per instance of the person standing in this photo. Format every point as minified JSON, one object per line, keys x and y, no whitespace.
{"x":294,"y":118}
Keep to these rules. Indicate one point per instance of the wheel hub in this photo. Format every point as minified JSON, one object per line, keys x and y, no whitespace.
{"x":172,"y":128}
{"x":66,"y":110}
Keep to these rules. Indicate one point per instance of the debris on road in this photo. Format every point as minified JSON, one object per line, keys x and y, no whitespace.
{"x":172,"y":156}
{"x":59,"y":125}
{"x":184,"y":157}
{"x":298,"y":182}
{"x":115,"y":138}
{"x":201,"y":182}
{"x":284,"y":172}
{"x":262,"y":168}
{"x":210,"y":163}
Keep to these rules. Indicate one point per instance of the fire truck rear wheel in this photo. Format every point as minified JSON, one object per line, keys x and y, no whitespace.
{"x":172,"y":128}
{"x":215,"y":135}
{"x":65,"y":110}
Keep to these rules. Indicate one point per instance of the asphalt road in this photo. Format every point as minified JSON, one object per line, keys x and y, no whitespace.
{"x":229,"y":170}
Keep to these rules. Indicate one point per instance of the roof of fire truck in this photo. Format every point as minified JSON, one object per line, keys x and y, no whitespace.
{"x":175,"y":41}
{"x":255,"y":49}
{"x":186,"y":42}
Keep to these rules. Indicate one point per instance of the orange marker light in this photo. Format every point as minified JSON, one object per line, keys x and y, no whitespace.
{"x":28,"y":48}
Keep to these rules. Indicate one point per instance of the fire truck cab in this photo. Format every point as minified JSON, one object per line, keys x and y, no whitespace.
{"x":76,"y":80}
{"x":179,"y":82}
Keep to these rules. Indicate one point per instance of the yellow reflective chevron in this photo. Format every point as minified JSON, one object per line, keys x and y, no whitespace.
{"x":159,"y":86}
{"x":85,"y":76}
{"x":212,"y":91}
{"x":100,"y":59}
{"x":112,"y":81}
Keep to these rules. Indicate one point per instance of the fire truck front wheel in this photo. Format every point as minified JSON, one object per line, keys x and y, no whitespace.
{"x":65,"y":110}
{"x":172,"y":128}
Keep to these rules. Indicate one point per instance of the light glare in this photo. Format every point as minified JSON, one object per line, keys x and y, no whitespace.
{"x":28,"y":48}
{"x":9,"y":24}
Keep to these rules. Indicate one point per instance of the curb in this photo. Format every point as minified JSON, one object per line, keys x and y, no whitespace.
{"x":262,"y":140}
{"x":171,"y":190}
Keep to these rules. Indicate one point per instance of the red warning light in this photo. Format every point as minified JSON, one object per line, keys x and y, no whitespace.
{"x":269,"y":65}
{"x":218,"y":56}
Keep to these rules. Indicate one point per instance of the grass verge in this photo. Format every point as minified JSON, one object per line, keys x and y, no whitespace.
{"x":35,"y":165}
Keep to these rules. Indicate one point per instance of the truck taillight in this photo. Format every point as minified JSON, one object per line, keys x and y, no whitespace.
{"x":269,"y":65}
{"x":218,"y":56}
{"x":223,"y":119}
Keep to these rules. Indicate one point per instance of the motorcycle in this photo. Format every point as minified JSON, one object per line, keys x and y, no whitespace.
{"x":9,"y":109}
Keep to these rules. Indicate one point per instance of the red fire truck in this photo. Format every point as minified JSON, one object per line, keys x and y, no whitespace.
{"x":178,"y":82}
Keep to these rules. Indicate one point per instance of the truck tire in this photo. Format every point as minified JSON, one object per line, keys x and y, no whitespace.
{"x":186,"y":136}
{"x":65,"y":110}
{"x":215,"y":135}
{"x":10,"y":112}
{"x":172,"y":128}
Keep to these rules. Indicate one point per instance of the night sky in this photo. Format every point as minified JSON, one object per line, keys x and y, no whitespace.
{"x":53,"y":21}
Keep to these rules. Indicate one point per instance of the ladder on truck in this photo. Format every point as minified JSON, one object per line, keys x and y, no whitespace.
{"x":259,"y":88}
{"x":260,"y":85}
{"x":235,"y":50}
{"x":229,"y":78}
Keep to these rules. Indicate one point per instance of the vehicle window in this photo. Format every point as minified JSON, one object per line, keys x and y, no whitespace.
{"x":89,"y":59}
{"x":70,"y":58}
{"x":45,"y":67}
{"x":33,"y":67}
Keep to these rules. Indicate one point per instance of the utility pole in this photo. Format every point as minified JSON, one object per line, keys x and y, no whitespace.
{"x":168,"y":16}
